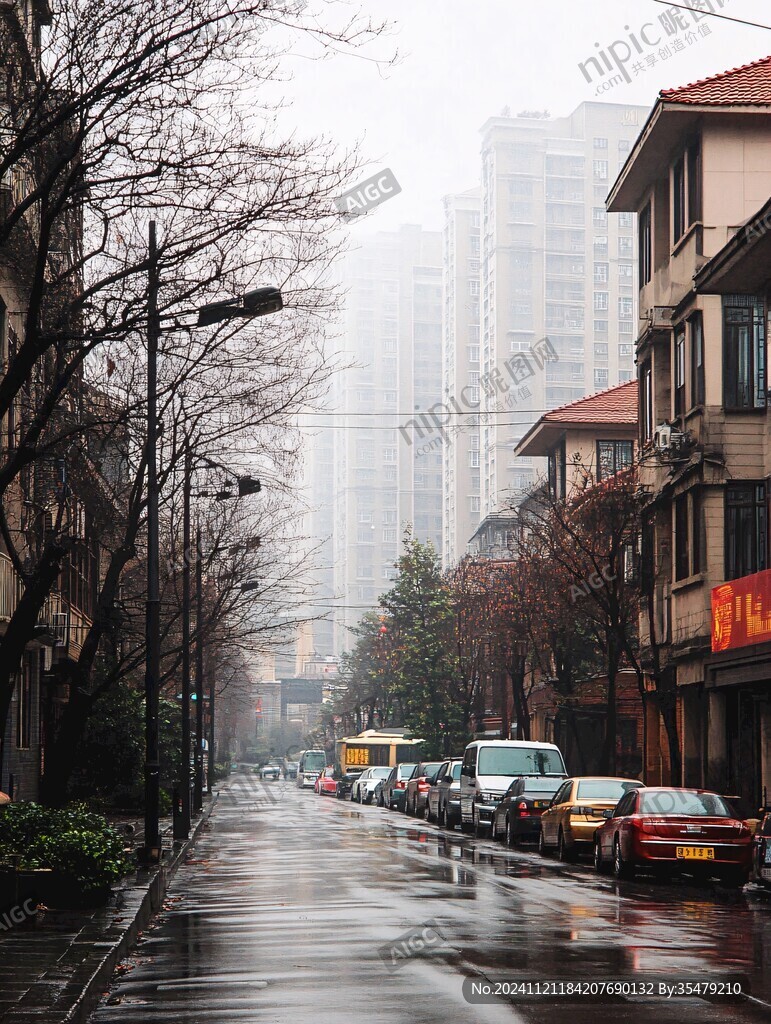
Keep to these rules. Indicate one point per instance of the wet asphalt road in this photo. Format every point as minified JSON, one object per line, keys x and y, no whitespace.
{"x":291,"y":900}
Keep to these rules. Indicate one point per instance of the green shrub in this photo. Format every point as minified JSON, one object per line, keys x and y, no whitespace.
{"x":77,"y":844}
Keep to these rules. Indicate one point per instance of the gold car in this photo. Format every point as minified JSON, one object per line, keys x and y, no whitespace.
{"x":577,"y":810}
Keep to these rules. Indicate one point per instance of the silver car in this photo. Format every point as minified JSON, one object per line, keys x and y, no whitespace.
{"x":443,"y":803}
{"x":363,"y":788}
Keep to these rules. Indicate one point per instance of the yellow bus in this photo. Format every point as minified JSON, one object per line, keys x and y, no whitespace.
{"x":375,"y":748}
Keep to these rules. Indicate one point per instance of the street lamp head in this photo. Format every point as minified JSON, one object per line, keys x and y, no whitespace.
{"x":259,"y":302}
{"x":248,"y":485}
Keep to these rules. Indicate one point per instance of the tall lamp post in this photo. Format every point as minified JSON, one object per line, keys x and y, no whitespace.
{"x":255,"y":303}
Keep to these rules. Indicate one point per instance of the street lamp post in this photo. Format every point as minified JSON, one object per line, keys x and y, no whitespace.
{"x":152,"y":847}
{"x":198,"y":795}
{"x":259,"y":302}
{"x":183,"y":821}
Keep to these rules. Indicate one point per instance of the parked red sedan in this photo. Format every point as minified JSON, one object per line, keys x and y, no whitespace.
{"x":673,"y":831}
{"x":326,"y":784}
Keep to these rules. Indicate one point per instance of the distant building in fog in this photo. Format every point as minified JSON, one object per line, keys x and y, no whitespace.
{"x":386,"y":477}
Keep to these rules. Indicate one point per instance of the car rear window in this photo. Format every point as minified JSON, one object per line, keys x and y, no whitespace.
{"x":406,"y":770}
{"x":541,"y":787}
{"x":682,"y":801}
{"x":379,"y":773}
{"x":456,"y":771}
{"x":604,"y":789}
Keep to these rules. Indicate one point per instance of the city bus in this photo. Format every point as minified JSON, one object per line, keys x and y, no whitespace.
{"x":375,"y":748}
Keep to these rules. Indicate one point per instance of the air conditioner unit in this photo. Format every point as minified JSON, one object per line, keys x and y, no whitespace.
{"x":662,"y":437}
{"x":60,"y":627}
{"x":661,"y":316}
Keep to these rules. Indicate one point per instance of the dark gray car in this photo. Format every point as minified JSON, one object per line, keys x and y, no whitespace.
{"x":443,"y":803}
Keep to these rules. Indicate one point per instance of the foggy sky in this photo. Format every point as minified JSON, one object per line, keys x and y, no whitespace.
{"x":464,"y":60}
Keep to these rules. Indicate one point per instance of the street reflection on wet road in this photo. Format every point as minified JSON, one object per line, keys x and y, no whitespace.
{"x":303,"y":908}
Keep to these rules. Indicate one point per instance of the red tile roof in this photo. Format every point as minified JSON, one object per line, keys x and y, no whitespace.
{"x":748,"y":85}
{"x":617,"y":405}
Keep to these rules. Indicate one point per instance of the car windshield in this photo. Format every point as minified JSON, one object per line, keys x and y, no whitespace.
{"x":315,"y":760}
{"x":604,"y":789}
{"x":379,"y":773}
{"x":519,"y":761}
{"x":678,"y":801}
{"x":456,"y":771}
{"x":540,"y":787}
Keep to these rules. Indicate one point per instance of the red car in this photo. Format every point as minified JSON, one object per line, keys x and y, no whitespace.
{"x":325,"y":784}
{"x":672,"y":831}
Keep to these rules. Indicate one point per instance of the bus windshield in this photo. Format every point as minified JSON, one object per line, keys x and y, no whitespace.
{"x":519,"y":761}
{"x":314,"y":760}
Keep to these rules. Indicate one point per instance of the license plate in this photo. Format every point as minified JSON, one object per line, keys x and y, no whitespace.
{"x":765,"y":874}
{"x":695,"y":853}
{"x":767,"y":857}
{"x":540,"y":803}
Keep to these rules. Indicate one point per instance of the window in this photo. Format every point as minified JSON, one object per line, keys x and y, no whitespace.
{"x":600,"y":245}
{"x":678,"y":200}
{"x":473,"y":287}
{"x":646,"y":402}
{"x":646,"y":248}
{"x":389,"y":455}
{"x":625,"y":271}
{"x":746,"y":525}
{"x":624,"y":145}
{"x":600,"y":169}
{"x":613,"y":457}
{"x":625,"y":308}
{"x":625,"y":220}
{"x":473,"y":459}
{"x":600,"y":326}
{"x":744,"y":352}
{"x":625,"y":351}
{"x":696,"y":324}
{"x":389,"y":536}
{"x":600,"y":350}
{"x":476,"y":503}
{"x":600,"y":379}
{"x":557,"y":469}
{"x":625,"y":246}
{"x":473,"y":353}
{"x":600,"y":301}
{"x":600,"y":143}
{"x":680,"y":371}
{"x":694,"y":183}
{"x":601,"y":273}
{"x":681,"y":537}
{"x":24,"y":705}
{"x":599,"y":216}
{"x":697,"y":533}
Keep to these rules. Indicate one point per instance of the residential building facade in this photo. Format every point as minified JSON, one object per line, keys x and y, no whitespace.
{"x":699,"y":179}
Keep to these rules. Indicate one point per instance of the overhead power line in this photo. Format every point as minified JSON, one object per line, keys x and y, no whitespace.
{"x":713,"y":14}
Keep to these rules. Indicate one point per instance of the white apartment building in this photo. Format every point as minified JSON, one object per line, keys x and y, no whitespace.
{"x":553,"y":264}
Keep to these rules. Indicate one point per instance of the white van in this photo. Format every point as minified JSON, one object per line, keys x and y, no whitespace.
{"x":312,"y":764}
{"x":489,"y":768}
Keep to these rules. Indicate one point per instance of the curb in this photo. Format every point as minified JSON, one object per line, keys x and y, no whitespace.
{"x":139,"y":901}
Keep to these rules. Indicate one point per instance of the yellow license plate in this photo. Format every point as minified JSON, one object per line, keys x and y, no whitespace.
{"x":695,"y":853}
{"x":540,"y":803}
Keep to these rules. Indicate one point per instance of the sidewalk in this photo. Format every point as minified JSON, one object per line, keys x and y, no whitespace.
{"x":54,"y":970}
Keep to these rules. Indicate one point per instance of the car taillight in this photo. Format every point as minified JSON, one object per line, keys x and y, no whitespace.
{"x":400,"y":785}
{"x":423,"y":785}
{"x":522,"y":806}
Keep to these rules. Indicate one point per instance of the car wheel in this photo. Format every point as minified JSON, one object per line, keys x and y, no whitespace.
{"x":542,"y":844}
{"x":564,"y":852}
{"x":442,"y":817}
{"x":427,"y":815}
{"x":621,"y":869}
{"x":409,"y":809}
{"x":599,"y":864}
{"x":510,"y":839}
{"x":479,"y":828}
{"x":380,"y":801}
